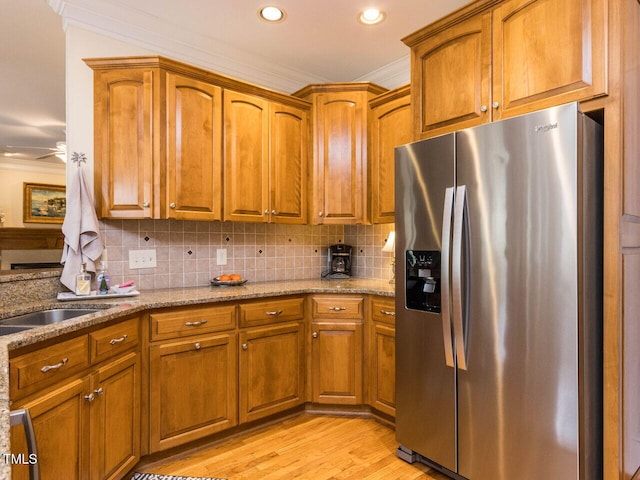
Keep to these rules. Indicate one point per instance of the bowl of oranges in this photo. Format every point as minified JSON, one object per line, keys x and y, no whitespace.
{"x":228,"y":280}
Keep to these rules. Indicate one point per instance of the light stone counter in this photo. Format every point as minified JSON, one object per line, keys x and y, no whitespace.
{"x":119,"y":307}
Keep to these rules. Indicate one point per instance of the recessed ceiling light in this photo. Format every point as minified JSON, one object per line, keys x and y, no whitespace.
{"x":272,"y":14}
{"x":371,"y":16}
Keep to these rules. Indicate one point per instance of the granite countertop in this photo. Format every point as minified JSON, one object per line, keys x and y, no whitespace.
{"x":113,"y":308}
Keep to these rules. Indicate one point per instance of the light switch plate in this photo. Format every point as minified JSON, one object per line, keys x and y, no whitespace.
{"x":142,"y":259}
{"x":221,"y":256}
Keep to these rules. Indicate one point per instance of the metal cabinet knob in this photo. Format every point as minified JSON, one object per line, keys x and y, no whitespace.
{"x":483,"y":108}
{"x":145,"y":204}
{"x":273,"y":212}
{"x":197,"y":345}
{"x":90,"y":398}
{"x":99,"y":391}
{"x":320,"y":214}
{"x":172,"y":205}
{"x":314,"y":334}
{"x":495,"y":104}
{"x":245,"y":346}
{"x":266,"y":211}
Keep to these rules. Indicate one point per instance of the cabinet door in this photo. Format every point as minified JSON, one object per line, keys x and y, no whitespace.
{"x":390,"y":127}
{"x":246,"y":158}
{"x":336,"y":356}
{"x":450,"y":79}
{"x":382,"y":392}
{"x":193,"y":389}
{"x":115,"y":417}
{"x":340,"y":160}
{"x":547,"y":52}
{"x":288,"y":164}
{"x":271,"y":370}
{"x":124,"y":152}
{"x":61,"y":425}
{"x":194,"y":155}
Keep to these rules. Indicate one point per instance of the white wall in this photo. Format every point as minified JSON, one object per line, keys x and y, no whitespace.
{"x":81,"y":44}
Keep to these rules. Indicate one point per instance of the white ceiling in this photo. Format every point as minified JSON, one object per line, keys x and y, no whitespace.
{"x":320,"y":41}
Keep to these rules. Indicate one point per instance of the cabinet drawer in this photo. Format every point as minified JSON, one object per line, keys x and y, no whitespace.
{"x":110,"y":341}
{"x":338,"y":306}
{"x":32,"y":371}
{"x":383,"y":310}
{"x":262,"y":313}
{"x":192,"y":321}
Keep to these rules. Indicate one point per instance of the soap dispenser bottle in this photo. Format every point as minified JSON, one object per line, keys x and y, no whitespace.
{"x":83,"y":281}
{"x":103,"y":280}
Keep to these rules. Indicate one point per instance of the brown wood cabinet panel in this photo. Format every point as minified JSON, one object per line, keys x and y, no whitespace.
{"x":270,"y":311}
{"x":113,"y":340}
{"x":182,"y":322}
{"x":246,"y":157}
{"x":450,"y":78}
{"x":61,"y":425}
{"x":289,"y":147}
{"x":193,"y":389}
{"x":547,"y":52}
{"x":337,"y":306}
{"x":337,"y":358}
{"x":382,"y":368}
{"x":390,"y":126}
{"x":115,"y":418}
{"x":272,"y":370}
{"x":123,"y":137}
{"x":35,"y":370}
{"x":194,"y":154}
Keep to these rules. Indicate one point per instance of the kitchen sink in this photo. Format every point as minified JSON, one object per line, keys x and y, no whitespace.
{"x":9,"y":329}
{"x":45,"y":317}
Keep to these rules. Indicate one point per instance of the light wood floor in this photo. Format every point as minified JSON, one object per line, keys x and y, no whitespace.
{"x":305,"y":447}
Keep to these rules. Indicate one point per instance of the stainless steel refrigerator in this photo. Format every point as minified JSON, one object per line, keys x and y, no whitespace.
{"x":499,"y":299}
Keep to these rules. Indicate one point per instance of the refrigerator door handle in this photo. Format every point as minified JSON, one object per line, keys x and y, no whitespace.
{"x":459,"y":274}
{"x":445,"y":292}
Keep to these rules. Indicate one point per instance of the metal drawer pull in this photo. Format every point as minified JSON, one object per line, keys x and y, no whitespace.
{"x":195,"y":324}
{"x":113,"y":341}
{"x":277,"y":312}
{"x":337,"y":309}
{"x":385,"y":312}
{"x":46,"y":368}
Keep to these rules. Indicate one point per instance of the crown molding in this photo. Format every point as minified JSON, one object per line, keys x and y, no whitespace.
{"x":120,"y":21}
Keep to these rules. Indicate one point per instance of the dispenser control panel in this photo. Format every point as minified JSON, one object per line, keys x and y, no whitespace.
{"x":423,"y":280}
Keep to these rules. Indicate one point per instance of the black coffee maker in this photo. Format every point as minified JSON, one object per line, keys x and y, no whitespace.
{"x":339,"y":261}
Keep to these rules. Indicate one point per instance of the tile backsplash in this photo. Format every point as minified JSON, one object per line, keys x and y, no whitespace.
{"x":186,"y":251}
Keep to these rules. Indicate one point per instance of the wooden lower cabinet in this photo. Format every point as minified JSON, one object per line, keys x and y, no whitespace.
{"x":87,"y":427}
{"x":382,"y":355}
{"x":271,"y":370}
{"x":336,"y":357}
{"x":193,"y":389}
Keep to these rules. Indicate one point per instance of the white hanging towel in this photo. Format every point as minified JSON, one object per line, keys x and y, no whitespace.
{"x":82,"y":242}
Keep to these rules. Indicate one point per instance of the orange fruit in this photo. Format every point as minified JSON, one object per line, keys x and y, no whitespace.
{"x":235,"y":277}
{"x":224,"y":278}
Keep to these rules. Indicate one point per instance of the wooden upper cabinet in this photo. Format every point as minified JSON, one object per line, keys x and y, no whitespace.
{"x":495,"y":59}
{"x":194,"y":154}
{"x":124,"y":150}
{"x":265,"y":161}
{"x":547,"y":52}
{"x":289,"y":147}
{"x":246,"y":157}
{"x":339,"y":176}
{"x":390,"y":126}
{"x":451,"y":75}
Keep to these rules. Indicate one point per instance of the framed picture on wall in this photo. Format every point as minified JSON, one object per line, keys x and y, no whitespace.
{"x":43,"y":203}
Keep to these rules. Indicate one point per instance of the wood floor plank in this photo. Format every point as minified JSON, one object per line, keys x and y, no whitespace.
{"x":308,"y":447}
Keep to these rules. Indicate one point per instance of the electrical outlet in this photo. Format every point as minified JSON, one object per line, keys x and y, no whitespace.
{"x":221,"y":256}
{"x":142,"y":259}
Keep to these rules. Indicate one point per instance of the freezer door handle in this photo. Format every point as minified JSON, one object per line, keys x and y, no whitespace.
{"x":445,"y":292}
{"x":459,"y":274}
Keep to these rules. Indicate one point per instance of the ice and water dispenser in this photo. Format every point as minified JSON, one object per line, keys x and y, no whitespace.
{"x":423,"y":280}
